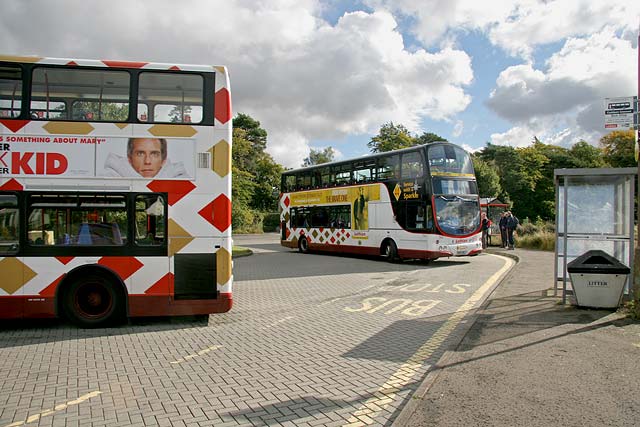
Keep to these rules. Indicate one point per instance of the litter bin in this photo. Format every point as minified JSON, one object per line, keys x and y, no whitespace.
{"x":598,"y":279}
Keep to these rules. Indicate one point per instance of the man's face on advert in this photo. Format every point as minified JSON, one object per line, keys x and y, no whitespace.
{"x":146,"y":157}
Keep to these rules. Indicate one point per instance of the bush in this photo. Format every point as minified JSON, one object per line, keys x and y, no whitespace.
{"x":271,"y":222}
{"x":246,"y":220}
{"x":542,"y":240}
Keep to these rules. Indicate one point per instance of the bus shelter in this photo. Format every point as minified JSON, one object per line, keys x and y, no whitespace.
{"x":493,"y":207}
{"x":594,"y":210}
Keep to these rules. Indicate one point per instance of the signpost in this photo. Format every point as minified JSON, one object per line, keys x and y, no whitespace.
{"x":620,"y":113}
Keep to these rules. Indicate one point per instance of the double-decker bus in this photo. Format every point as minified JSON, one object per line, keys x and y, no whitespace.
{"x":416,"y":203}
{"x":115,"y":189}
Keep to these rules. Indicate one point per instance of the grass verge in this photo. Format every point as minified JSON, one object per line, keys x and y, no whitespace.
{"x":239,"y":251}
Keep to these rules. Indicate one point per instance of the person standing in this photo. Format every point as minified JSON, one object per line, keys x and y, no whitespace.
{"x":511,"y":224}
{"x":503,"y":229}
{"x":486,"y":224}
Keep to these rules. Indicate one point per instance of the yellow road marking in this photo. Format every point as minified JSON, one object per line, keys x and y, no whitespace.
{"x":57,"y":408}
{"x":386,"y":394}
{"x":200,"y":353}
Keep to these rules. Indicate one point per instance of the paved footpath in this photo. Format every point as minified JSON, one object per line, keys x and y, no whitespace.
{"x":530,"y":361}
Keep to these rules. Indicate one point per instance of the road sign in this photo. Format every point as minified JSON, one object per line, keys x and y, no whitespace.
{"x":620,"y":113}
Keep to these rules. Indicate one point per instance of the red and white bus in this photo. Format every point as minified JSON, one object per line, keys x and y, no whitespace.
{"x":419,"y":202}
{"x":115,"y":189}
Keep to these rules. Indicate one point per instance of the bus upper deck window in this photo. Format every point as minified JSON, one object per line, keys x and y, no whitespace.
{"x":170,"y":97}
{"x":10,"y":91}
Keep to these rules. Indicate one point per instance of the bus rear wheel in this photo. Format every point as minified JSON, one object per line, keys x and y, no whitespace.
{"x":390,"y":251}
{"x":303,"y":245}
{"x":92,"y":301}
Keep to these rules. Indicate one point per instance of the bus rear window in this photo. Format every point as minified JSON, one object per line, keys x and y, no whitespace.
{"x":170,"y":97}
{"x":10,"y":91}
{"x":75,"y":94}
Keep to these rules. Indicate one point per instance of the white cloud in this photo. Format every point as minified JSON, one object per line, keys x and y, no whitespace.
{"x":564,"y":103}
{"x":300,"y":76}
{"x":517,"y":26}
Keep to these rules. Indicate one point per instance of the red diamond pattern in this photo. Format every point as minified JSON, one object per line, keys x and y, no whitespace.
{"x":124,"y":266}
{"x":177,"y":189}
{"x":50,"y":291}
{"x":287,"y":201}
{"x":12,"y":185}
{"x":218,"y":212}
{"x":333,"y":239}
{"x":164,"y":286}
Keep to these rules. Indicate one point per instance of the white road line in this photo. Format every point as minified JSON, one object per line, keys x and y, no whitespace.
{"x":57,"y":408}
{"x":277,"y":322}
{"x":199,"y":353}
{"x":385,"y":395}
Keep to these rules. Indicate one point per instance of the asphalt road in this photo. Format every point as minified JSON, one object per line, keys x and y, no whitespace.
{"x":311,"y":340}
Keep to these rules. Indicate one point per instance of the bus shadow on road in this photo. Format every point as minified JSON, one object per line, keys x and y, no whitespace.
{"x":402,"y":341}
{"x":17,"y":333}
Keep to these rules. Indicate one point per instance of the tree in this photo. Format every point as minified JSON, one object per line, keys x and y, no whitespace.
{"x":256,"y":176}
{"x":487,"y":177}
{"x":317,"y":157}
{"x":391,"y":137}
{"x":253,"y":132}
{"x":618,"y":148}
{"x":428,"y":138}
{"x":178,"y":115}
{"x":586,"y":155}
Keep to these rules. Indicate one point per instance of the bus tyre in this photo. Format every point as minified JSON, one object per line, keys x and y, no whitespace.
{"x":92,"y":301}
{"x":390,"y":251}
{"x":303,"y":245}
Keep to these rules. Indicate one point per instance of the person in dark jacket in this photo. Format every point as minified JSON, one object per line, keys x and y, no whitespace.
{"x":486,"y":225}
{"x":511,"y":224}
{"x":503,"y":229}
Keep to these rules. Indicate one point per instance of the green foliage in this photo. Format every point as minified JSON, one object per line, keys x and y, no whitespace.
{"x":253,"y":132}
{"x":487,"y":177}
{"x":391,"y":137}
{"x":317,"y":157}
{"x":542,"y":240}
{"x":429,"y":137}
{"x":536,"y":235}
{"x":394,"y":137}
{"x":245,"y":220}
{"x":526,"y":174}
{"x":115,"y":111}
{"x":618,"y":147}
{"x":586,"y":155}
{"x":271,"y":221}
{"x":256,"y":176}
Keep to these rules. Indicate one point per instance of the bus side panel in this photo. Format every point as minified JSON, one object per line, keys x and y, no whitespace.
{"x":145,"y":305}
{"x":11,"y":307}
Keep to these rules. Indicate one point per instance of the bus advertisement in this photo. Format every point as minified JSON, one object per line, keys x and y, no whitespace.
{"x":417,"y":203}
{"x":115,"y":189}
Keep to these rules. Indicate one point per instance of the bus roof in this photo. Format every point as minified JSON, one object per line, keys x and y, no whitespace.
{"x":369,"y":156}
{"x":113,"y":64}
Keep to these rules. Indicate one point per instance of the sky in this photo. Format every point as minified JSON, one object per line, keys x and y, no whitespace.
{"x":331,"y":73}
